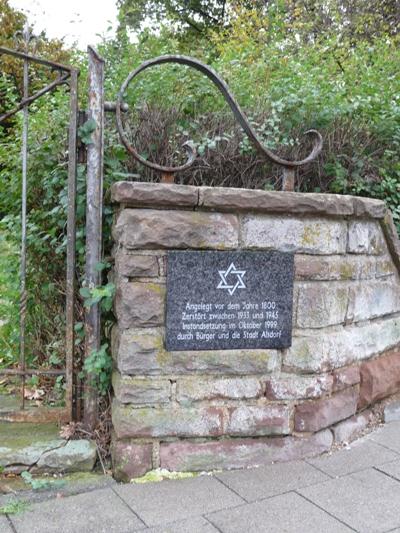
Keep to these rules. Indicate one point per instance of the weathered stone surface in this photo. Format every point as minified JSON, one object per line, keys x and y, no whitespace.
{"x":154,"y":194}
{"x":141,"y":351}
{"x":139,"y":304}
{"x":345,"y":377}
{"x":194,"y":389}
{"x":365,"y":237}
{"x":130,"y":459}
{"x":226,"y":198}
{"x":369,"y":207}
{"x":321,"y":304}
{"x":391,"y":412}
{"x":270,"y":419}
{"x":335,"y":267}
{"x":307,"y":235}
{"x":167,"y":422}
{"x":147,"y":228}
{"x":373,"y":299}
{"x":349,"y":429}
{"x":324,"y":351}
{"x":73,"y":456}
{"x":141,"y":391}
{"x":292,"y":387}
{"x":385,"y":267}
{"x":135,"y":265}
{"x":392,"y":238}
{"x":240,"y":453}
{"x":318,"y":414}
{"x":379,"y":378}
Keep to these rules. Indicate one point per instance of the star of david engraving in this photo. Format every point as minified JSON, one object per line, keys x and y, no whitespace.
{"x":231,"y":270}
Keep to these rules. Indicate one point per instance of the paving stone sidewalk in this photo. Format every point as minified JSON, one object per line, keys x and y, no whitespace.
{"x":354,"y":489}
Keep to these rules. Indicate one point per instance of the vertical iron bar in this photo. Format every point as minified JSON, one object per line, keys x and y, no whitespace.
{"x":23,"y":292}
{"x":288,"y":179}
{"x":94,"y":199}
{"x":71,"y":243}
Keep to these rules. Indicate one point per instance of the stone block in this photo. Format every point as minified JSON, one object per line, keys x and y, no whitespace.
{"x":365,"y":237}
{"x":345,"y":377}
{"x":187,"y":456}
{"x":141,"y":391}
{"x":351,"y":428}
{"x":73,"y":456}
{"x":318,"y":414}
{"x":135,"y":265}
{"x":153,"y":229}
{"x":321,"y":304}
{"x":269,"y":419}
{"x":323,"y":351}
{"x":305,"y":235}
{"x":335,"y":267}
{"x":373,"y":299}
{"x":154,"y":194}
{"x":195,"y":389}
{"x":141,"y":351}
{"x":392,"y":238}
{"x":379,"y":378}
{"x":139,"y":304}
{"x":385,"y":267}
{"x":166,"y":422}
{"x":293,"y":387}
{"x":130,"y":459}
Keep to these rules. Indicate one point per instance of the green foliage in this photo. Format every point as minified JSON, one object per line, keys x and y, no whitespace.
{"x":97,"y":369}
{"x":41,"y":483}
{"x":15,"y":507}
{"x":85,"y":131}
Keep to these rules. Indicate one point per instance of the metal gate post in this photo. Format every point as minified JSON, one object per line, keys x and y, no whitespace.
{"x":71,"y":245}
{"x":94,"y":199}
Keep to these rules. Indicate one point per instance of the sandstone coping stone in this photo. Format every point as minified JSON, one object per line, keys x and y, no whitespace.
{"x":269,"y":419}
{"x":141,"y":351}
{"x":150,"y":228}
{"x":154,"y":194}
{"x":130,"y":459}
{"x":365,"y":237}
{"x":139,"y":304}
{"x":199,"y":388}
{"x":318,"y":236}
{"x":187,"y":456}
{"x":166,"y":422}
{"x":349,"y":429}
{"x":392,"y":238}
{"x":234,"y":199}
{"x":345,"y":377}
{"x":315,"y":415}
{"x":323,"y":351}
{"x":321,"y":304}
{"x":135,"y":265}
{"x":379,"y":378}
{"x":377,"y":298}
{"x":292,"y":387}
{"x":141,"y":391}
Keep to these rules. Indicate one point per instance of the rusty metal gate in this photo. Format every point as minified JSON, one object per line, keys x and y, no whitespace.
{"x":94,"y":197}
{"x":66,"y":75}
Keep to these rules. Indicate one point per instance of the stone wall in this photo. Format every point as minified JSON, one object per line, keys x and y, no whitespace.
{"x":204,"y":410}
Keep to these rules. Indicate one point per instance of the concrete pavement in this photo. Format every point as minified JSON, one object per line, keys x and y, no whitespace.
{"x":353,"y":489}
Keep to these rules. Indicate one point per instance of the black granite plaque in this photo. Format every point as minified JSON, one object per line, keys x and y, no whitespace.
{"x":229,"y":300}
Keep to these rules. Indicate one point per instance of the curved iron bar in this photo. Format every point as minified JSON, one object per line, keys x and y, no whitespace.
{"x":229,"y":98}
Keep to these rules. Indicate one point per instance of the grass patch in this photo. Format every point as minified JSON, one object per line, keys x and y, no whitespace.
{"x":15,"y":507}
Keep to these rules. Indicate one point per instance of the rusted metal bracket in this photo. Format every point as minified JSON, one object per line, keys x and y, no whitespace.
{"x":237,"y":111}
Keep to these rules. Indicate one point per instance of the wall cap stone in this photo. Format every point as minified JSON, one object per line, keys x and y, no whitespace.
{"x":142,"y":194}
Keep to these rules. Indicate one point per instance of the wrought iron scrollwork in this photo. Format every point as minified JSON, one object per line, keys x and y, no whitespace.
{"x":237,"y":111}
